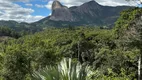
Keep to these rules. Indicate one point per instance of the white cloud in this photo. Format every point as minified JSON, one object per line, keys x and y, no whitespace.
{"x":70,"y":3}
{"x":21,"y":18}
{"x":29,"y":4}
{"x":67,"y":3}
{"x":49,"y":14}
{"x":117,"y":2}
{"x":12,"y":11}
{"x":39,"y":6}
{"x":18,"y":0}
{"x":49,"y":4}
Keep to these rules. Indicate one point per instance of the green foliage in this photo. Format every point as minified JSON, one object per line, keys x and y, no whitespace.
{"x":21,"y":27}
{"x":19,"y":58}
{"x":15,"y":64}
{"x":126,"y":17}
{"x":66,"y":70}
{"x":97,"y":75}
{"x":39,"y":54}
{"x":4,"y":31}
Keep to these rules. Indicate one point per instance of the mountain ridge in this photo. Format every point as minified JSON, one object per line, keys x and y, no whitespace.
{"x":88,"y":14}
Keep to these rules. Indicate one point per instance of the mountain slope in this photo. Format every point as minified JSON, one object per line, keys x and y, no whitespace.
{"x":23,"y":26}
{"x":90,"y":13}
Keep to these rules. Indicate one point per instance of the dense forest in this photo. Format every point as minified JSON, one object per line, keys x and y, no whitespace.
{"x":74,"y":53}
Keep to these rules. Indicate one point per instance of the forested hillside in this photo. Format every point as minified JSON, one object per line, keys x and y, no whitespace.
{"x":21,"y":27}
{"x":109,"y":54}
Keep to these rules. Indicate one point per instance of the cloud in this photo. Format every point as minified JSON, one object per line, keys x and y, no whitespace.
{"x":70,"y":3}
{"x":21,"y":18}
{"x":9,"y":10}
{"x":117,"y":2}
{"x":49,"y":14}
{"x":49,"y":4}
{"x":39,"y":6}
{"x":29,"y":5}
{"x":12,"y":11}
{"x":17,"y":0}
{"x":67,"y":3}
{"x":1,"y":13}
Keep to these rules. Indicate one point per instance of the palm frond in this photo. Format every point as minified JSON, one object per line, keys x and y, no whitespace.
{"x":66,"y":70}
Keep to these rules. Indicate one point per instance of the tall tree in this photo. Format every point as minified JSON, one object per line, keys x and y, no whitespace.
{"x":133,"y":36}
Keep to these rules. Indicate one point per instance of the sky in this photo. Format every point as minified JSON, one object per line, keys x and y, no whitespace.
{"x":34,"y":10}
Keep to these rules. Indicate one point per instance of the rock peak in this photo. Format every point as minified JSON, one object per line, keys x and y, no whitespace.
{"x":56,"y":4}
{"x":60,"y":12}
{"x":93,"y":2}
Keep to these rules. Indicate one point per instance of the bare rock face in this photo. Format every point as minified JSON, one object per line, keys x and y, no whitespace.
{"x":60,"y":12}
{"x":56,"y":5}
{"x":90,"y":13}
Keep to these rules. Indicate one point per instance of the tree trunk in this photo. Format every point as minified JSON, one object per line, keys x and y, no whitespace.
{"x":139,"y":68}
{"x":78,"y":51}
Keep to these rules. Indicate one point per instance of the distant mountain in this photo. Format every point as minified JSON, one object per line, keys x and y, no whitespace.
{"x":87,"y":14}
{"x":23,"y":26}
{"x":90,"y":13}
